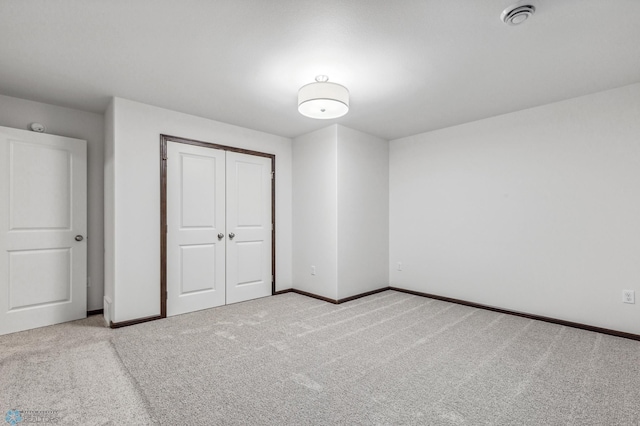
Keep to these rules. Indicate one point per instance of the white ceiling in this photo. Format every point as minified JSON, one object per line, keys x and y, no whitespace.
{"x":410,"y":65}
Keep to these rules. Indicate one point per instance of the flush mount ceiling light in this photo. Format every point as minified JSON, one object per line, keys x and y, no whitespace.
{"x":515,"y":15}
{"x":323,"y":100}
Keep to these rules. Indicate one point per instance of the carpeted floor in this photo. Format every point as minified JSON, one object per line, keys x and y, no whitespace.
{"x":390,"y":358}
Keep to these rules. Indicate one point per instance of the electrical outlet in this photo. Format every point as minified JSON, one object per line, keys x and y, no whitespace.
{"x":313,"y":270}
{"x":628,"y":296}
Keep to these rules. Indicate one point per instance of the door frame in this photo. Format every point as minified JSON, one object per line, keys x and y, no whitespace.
{"x":164,"y":140}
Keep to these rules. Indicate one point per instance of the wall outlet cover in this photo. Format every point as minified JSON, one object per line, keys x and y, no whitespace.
{"x":628,"y":296}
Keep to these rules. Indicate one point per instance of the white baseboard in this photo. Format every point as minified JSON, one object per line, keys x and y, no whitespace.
{"x":107,"y":311}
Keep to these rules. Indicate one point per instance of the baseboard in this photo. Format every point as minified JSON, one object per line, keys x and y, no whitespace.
{"x":95,"y":312}
{"x":358,"y":296}
{"x":288,"y":290}
{"x":430,"y":296}
{"x":315,"y":296}
{"x":523,"y":314}
{"x":134,"y":321}
{"x":329,"y":300}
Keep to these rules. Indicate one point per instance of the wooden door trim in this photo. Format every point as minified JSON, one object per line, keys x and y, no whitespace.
{"x":164,"y":140}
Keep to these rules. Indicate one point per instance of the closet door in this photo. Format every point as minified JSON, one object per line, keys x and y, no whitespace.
{"x":195,"y":228}
{"x":249,"y":227}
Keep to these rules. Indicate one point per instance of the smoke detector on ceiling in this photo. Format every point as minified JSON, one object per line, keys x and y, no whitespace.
{"x":515,"y":15}
{"x":37,"y":127}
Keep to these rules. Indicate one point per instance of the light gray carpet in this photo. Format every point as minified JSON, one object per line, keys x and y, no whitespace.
{"x":390,"y":358}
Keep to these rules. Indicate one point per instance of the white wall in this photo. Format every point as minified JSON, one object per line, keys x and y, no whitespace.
{"x":136,"y":181}
{"x":340,"y":212}
{"x":315,"y":212}
{"x":535,"y":211}
{"x":19,"y":113}
{"x":363,"y":212}
{"x":109,"y":212}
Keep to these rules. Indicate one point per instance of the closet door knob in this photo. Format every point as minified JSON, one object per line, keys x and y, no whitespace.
{"x":220,"y":236}
{"x":79,"y":238}
{"x":231,"y":235}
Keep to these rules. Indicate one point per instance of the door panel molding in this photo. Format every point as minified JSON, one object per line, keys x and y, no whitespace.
{"x":164,"y":140}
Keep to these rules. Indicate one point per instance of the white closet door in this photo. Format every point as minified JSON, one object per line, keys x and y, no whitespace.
{"x":249,"y":257}
{"x":43,"y":230}
{"x":195,"y":219}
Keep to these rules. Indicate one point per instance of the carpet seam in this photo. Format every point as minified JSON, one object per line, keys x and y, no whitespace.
{"x":136,"y":384}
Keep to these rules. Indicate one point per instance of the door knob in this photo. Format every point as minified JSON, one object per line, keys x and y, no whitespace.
{"x":220,"y":236}
{"x":79,"y":238}
{"x":231,"y":235}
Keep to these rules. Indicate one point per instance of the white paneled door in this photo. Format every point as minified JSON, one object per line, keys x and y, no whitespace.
{"x":195,"y":228}
{"x":43,"y":225}
{"x":249,"y":228}
{"x":219,"y":230}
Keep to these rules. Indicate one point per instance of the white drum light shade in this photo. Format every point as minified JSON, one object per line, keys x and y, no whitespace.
{"x":323,"y":100}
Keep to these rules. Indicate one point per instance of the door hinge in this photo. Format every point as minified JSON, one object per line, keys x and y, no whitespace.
{"x":272,"y":226}
{"x":166,"y":295}
{"x":273,"y":174}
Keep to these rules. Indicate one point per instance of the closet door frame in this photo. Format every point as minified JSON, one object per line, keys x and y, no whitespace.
{"x":164,"y":139}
